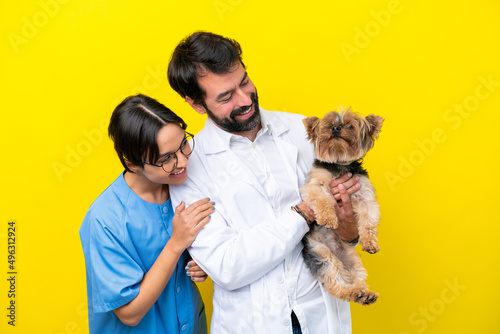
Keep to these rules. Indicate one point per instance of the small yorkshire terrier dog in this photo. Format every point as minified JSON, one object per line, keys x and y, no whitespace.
{"x":341,"y":140}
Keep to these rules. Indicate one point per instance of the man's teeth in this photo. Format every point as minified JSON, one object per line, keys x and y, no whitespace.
{"x":245,"y":112}
{"x":182,"y":170}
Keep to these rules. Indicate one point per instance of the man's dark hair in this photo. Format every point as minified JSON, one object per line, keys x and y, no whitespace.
{"x":134,"y":124}
{"x":196,"y":54}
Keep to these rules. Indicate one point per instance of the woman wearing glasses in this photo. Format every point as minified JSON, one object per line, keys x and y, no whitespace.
{"x":134,"y":242}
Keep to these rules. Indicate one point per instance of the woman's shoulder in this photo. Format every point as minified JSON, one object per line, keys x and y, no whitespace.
{"x":109,"y":208}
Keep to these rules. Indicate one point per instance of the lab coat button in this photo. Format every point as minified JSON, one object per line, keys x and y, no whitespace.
{"x":184,"y":327}
{"x":165,"y":209}
{"x":179,"y":288}
{"x":286,"y":322}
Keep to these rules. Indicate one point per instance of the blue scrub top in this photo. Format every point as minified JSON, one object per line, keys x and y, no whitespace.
{"x":122,"y":236}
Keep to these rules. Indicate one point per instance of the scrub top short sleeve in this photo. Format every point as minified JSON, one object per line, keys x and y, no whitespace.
{"x":115,"y":275}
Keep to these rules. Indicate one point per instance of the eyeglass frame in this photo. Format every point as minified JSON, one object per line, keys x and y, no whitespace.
{"x":175,"y":153}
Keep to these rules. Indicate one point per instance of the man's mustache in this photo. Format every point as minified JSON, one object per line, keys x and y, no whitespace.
{"x":244,"y":109}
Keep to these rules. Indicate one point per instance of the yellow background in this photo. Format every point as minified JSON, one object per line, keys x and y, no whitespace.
{"x":66,"y":64}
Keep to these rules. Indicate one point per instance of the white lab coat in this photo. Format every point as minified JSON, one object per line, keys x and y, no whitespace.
{"x":245,"y":247}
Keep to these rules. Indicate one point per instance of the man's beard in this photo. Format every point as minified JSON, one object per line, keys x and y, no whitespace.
{"x":233,"y":125}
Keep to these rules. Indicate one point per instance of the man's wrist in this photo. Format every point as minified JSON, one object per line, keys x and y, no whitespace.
{"x":353,"y":241}
{"x":302,"y":214}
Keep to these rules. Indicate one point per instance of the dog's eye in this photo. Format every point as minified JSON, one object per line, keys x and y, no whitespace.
{"x":349,"y":126}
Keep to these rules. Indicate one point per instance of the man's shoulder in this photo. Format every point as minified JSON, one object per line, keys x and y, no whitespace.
{"x":283,"y":116}
{"x":283,"y":120}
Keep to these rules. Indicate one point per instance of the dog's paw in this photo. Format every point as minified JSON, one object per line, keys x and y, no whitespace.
{"x":370,"y":245}
{"x":371,"y":248}
{"x":330,"y":222}
{"x":366,"y":297}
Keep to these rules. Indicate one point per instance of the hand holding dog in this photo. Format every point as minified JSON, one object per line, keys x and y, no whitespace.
{"x":349,"y":182}
{"x":347,"y":229}
{"x":341,"y":188}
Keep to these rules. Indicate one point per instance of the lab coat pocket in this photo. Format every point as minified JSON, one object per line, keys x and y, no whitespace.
{"x":235,"y":310}
{"x":241,"y":293}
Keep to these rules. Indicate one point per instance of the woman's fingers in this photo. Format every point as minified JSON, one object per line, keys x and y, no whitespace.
{"x":195,"y":272}
{"x":201,"y":224}
{"x":179,"y":208}
{"x":204,"y":202}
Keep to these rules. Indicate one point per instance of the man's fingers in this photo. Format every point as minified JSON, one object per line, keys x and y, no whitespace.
{"x":344,"y":197}
{"x":335,"y":182}
{"x":351,"y":185}
{"x":351,"y":182}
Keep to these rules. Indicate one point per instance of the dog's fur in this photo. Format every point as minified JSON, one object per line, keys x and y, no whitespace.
{"x":341,"y":140}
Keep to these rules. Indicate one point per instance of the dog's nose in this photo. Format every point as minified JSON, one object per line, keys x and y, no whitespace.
{"x":336,"y":129}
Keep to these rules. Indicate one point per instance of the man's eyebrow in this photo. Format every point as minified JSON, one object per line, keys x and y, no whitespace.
{"x":221,"y":95}
{"x":244,"y":77}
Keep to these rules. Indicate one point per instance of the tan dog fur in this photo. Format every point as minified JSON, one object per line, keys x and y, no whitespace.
{"x":340,"y":140}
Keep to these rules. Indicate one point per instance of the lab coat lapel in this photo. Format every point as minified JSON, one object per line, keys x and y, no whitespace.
{"x":228,"y":166}
{"x":287,"y":150}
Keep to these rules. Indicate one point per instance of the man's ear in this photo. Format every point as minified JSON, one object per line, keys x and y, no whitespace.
{"x":198,"y":107}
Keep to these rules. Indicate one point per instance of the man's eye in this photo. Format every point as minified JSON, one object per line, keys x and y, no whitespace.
{"x":227,"y":99}
{"x":245,"y":83}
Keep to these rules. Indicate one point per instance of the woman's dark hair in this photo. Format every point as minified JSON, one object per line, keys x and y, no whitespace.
{"x":134,"y":124}
{"x":197,"y":53}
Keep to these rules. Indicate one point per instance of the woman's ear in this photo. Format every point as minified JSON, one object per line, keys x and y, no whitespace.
{"x":198,"y":107}
{"x":132,"y":167}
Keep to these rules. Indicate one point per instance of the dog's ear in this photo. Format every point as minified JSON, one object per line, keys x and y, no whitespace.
{"x":375,"y":123}
{"x":311,"y":123}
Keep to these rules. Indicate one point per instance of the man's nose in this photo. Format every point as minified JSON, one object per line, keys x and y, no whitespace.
{"x":244,"y":98}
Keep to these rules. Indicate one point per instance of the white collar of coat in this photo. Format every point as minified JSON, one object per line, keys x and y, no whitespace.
{"x":216,"y":140}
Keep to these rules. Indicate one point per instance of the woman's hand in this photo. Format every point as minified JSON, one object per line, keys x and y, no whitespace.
{"x":195,"y":272}
{"x":187,"y":222}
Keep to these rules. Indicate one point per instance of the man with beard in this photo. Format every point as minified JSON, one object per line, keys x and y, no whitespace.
{"x":252,"y":162}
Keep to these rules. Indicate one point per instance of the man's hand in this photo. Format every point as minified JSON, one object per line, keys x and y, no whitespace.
{"x":347,"y":228}
{"x":350,"y":183}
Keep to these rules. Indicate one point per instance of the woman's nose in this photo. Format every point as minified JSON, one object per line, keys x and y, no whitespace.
{"x":181,"y":160}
